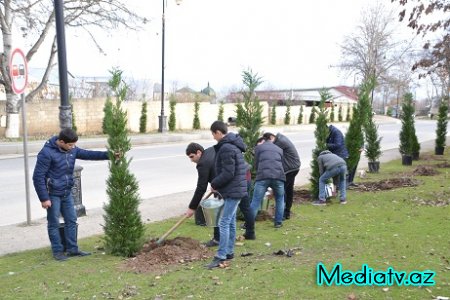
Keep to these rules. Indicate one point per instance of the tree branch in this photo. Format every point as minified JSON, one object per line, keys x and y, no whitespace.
{"x":48,"y":69}
{"x":42,"y":37}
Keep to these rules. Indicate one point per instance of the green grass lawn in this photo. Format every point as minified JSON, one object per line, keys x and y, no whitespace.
{"x":407,"y":229}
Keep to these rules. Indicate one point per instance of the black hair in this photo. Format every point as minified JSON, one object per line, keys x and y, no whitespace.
{"x":259,"y":140}
{"x":219,"y":126}
{"x":68,"y":135}
{"x":267,"y":135}
{"x":192,"y":148}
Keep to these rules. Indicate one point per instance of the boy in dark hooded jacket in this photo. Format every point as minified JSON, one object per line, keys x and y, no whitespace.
{"x":53,"y":182}
{"x":269,"y":173}
{"x":231,"y":183}
{"x":291,"y":165}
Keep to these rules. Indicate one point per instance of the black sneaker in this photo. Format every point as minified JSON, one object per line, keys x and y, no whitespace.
{"x":60,"y":256}
{"x":230,"y":256}
{"x":211,"y":243}
{"x":250,"y":236}
{"x":319,"y":203}
{"x":278,"y":225}
{"x":286,"y":216}
{"x":78,"y":253}
{"x":216,"y":262}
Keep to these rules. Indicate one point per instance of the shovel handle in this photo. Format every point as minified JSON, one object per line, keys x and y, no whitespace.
{"x":161,"y":239}
{"x":208,"y":195}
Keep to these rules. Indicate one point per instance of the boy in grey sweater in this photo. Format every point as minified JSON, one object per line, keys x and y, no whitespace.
{"x":331,"y":165}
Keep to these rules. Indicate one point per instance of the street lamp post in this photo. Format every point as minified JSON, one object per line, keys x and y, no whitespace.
{"x":162,"y":118}
{"x":65,"y":113}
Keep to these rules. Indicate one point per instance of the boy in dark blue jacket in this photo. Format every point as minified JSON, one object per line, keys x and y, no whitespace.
{"x":231,"y":183}
{"x":53,"y":182}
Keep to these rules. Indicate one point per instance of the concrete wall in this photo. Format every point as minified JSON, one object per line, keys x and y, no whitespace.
{"x":43,"y":117}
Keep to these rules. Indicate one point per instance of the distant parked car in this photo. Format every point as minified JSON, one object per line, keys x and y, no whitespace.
{"x":231,"y":121}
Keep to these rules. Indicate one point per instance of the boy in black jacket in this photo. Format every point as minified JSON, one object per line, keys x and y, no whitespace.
{"x":205,"y":159}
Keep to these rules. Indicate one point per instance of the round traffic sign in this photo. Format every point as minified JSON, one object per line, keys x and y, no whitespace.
{"x":18,"y":71}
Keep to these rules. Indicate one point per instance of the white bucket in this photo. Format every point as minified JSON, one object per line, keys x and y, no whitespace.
{"x":265,"y":201}
{"x":329,"y":189}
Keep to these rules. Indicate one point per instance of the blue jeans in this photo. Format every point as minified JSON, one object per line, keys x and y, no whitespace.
{"x":62,"y":205}
{"x":227,"y":227}
{"x":341,"y":171}
{"x":259,"y":192}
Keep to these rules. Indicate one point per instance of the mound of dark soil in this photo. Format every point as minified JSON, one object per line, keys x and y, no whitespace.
{"x":427,"y":157}
{"x":443,"y":165}
{"x":264,"y":215}
{"x":157,"y":258}
{"x":302,"y":196}
{"x":422,"y":170}
{"x":387,"y":184}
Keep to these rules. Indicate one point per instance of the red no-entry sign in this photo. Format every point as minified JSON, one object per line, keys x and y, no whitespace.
{"x":18,"y":71}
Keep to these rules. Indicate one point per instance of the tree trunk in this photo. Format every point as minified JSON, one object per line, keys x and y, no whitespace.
{"x":12,"y":116}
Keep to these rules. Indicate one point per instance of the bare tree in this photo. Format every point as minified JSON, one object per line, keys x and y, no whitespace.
{"x":431,"y":18}
{"x":35,"y":19}
{"x":435,"y":63}
{"x":372,"y":49}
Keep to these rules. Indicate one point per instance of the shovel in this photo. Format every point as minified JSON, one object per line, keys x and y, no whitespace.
{"x":165,"y":235}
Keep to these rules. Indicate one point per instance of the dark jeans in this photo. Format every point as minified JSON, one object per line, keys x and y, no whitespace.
{"x":199,"y":217}
{"x":289,"y":191}
{"x":62,"y":205}
{"x":244,"y":206}
{"x":351,"y":175}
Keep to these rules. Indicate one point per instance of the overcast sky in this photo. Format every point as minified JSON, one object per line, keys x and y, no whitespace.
{"x":290,"y":43}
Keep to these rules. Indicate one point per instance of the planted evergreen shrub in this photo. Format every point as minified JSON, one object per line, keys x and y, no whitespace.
{"x":249,"y":117}
{"x":143,"y":119}
{"x":373,"y":147}
{"x":273,"y":115}
{"x":221,"y":111}
{"x":74,"y":125}
{"x":340,"y":119}
{"x":172,"y":115}
{"x":332,"y":113}
{"x":407,"y":130}
{"x":441,"y":129}
{"x":321,"y":133}
{"x":415,"y":146}
{"x":123,"y":227}
{"x":348,"y":116}
{"x":107,"y":112}
{"x":196,"y":122}
{"x":300,"y":115}
{"x":312,"y":116}
{"x":354,"y":139}
{"x":287,"y":116}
